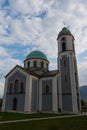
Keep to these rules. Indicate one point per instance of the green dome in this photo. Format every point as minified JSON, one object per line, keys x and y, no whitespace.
{"x":64,"y":31}
{"x":36,"y":55}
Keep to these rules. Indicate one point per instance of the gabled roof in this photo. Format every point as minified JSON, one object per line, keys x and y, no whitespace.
{"x":25,"y":70}
{"x":45,"y":74}
{"x":50,"y":73}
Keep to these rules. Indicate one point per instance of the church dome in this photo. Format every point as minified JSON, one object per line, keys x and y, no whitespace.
{"x":36,"y":55}
{"x":64,"y":31}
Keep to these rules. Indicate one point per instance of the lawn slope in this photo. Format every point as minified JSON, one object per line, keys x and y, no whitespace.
{"x":71,"y":123}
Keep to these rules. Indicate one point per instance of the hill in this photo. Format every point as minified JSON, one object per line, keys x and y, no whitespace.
{"x":83,"y":92}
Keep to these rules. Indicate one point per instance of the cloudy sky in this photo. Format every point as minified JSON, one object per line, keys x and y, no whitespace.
{"x":27,"y":25}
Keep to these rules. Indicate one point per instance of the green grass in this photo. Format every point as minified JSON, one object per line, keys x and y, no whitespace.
{"x":6,"y":116}
{"x":0,"y":109}
{"x":71,"y":123}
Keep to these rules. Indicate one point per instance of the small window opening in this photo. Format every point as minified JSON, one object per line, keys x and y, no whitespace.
{"x":63,"y":46}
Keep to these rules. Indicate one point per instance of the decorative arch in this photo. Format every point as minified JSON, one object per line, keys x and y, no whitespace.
{"x":15,"y":104}
{"x":28,"y":64}
{"x":42,"y":64}
{"x":10,"y":88}
{"x":35,"y":63}
{"x":47,"y":89}
{"x":22,"y":87}
{"x":16,"y":86}
{"x":63,"y":39}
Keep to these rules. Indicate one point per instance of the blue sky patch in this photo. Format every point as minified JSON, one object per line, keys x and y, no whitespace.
{"x":42,"y":14}
{"x":81,"y":57}
{"x":5,"y":3}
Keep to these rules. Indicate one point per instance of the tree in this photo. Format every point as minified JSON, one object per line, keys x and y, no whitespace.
{"x":83,"y":103}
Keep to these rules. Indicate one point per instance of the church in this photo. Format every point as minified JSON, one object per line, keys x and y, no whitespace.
{"x":33,"y":88}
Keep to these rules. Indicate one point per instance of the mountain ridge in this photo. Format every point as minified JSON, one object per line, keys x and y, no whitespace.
{"x":83,"y":92}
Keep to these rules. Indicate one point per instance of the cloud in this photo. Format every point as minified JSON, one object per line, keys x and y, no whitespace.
{"x":8,"y":63}
{"x":85,"y":58}
{"x":3,"y":52}
{"x":82,"y":67}
{"x":5,"y":66}
{"x":27,"y":7}
{"x":34,"y":25}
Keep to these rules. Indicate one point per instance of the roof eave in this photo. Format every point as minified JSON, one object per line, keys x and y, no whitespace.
{"x":64,"y":35}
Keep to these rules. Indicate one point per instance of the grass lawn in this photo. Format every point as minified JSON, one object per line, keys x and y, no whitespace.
{"x":71,"y":123}
{"x":6,"y":116}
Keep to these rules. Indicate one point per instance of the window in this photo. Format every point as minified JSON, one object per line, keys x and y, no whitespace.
{"x":16,"y":86}
{"x":65,"y":78}
{"x":63,"y":46}
{"x":47,"y":89}
{"x":42,"y":64}
{"x":63,"y":38}
{"x":28,"y":64}
{"x":76,"y":77}
{"x":10,"y":88}
{"x":22,"y":87}
{"x":35,"y":63}
{"x":64,"y":63}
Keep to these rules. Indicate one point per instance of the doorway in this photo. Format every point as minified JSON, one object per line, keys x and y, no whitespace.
{"x":15,"y":104}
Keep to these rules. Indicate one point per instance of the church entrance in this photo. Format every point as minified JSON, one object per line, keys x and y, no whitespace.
{"x":15,"y":104}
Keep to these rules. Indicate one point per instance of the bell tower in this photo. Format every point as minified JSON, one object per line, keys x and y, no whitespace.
{"x":70,"y":101}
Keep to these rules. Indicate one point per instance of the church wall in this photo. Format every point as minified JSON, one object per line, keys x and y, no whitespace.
{"x":47,"y":95}
{"x":65,"y":75}
{"x":34,"y":98}
{"x":4,"y":96}
{"x":66,"y":84}
{"x":17,"y":75}
{"x":69,"y":44}
{"x":38,"y":63}
{"x":75,"y":85}
{"x":19,"y":96}
{"x":20,"y":102}
{"x":67,"y":102}
{"x":58,"y":96}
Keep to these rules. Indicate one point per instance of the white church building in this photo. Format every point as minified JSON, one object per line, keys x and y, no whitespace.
{"x":33,"y":88}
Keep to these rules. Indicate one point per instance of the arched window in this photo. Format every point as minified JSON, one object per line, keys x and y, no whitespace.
{"x":10,"y":88}
{"x":15,"y":104}
{"x":22,"y":87}
{"x":35,"y":63}
{"x":65,"y":78}
{"x":63,"y":46}
{"x":42,"y":64}
{"x":47,"y":89}
{"x":63,"y":38}
{"x":16,"y":86}
{"x":28,"y":64}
